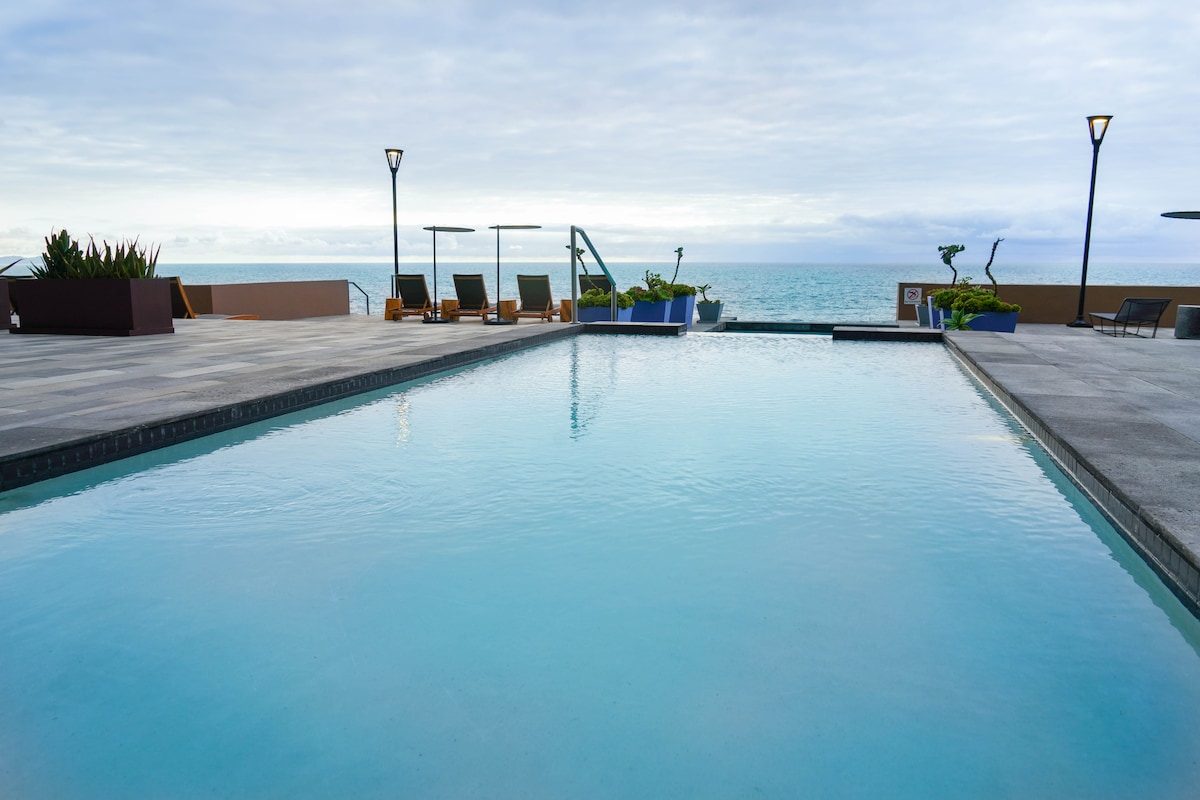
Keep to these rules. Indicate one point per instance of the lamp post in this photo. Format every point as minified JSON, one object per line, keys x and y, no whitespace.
{"x":393,"y":157}
{"x":497,"y":228}
{"x":1096,"y":128}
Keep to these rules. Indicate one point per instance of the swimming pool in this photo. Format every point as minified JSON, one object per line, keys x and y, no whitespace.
{"x":717,"y":566}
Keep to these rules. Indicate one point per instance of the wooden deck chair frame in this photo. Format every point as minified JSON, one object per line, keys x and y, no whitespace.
{"x":472,"y":297}
{"x":410,"y":302}
{"x":1135,"y":313}
{"x":536,"y":298}
{"x":181,"y":307}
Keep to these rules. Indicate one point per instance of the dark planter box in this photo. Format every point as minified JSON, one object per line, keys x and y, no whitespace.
{"x":5,"y":311}
{"x":682,"y":308}
{"x":94,"y":306}
{"x":604,"y":314}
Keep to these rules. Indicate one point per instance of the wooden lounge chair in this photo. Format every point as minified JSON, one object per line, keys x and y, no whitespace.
{"x":1135,"y":313}
{"x":472,"y":297}
{"x":181,"y":307}
{"x":600,"y":282}
{"x":413,"y":299}
{"x":536,"y":298}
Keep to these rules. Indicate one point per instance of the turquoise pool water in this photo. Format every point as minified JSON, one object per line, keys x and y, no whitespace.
{"x":722,"y":566}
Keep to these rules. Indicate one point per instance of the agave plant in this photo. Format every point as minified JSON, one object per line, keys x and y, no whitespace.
{"x":64,"y":259}
{"x":959,"y":320}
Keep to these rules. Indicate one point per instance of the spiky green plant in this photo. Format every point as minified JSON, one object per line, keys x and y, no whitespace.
{"x":64,"y":259}
{"x":959,"y":320}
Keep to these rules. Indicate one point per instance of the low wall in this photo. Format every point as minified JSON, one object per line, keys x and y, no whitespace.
{"x":1052,"y":303}
{"x":283,"y":300}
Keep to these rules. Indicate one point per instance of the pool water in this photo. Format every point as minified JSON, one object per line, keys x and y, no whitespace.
{"x":610,"y":567}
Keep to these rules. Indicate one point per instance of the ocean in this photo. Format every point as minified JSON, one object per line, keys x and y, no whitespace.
{"x":775,"y":291}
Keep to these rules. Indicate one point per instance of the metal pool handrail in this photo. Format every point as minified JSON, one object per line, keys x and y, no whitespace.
{"x":575,"y":276}
{"x":364,"y":294}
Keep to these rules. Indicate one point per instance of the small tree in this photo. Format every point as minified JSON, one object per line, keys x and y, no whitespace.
{"x":988,"y":269}
{"x":579,"y":255}
{"x":678,"y":258}
{"x":948,"y":252}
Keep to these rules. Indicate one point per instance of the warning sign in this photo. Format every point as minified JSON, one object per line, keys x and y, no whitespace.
{"x":912,"y":295}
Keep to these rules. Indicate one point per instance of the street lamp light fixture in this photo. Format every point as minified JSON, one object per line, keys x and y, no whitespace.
{"x":1097,"y":127}
{"x":393,"y":157}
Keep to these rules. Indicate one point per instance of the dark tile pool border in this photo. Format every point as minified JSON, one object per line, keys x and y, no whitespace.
{"x":31,"y":466}
{"x":1173,"y":562}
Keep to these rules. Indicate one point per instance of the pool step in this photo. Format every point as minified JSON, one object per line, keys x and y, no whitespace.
{"x":880,"y":334}
{"x":643,"y":328}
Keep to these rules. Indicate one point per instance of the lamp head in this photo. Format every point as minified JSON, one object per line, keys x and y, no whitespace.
{"x":1096,"y":128}
{"x":394,"y":156}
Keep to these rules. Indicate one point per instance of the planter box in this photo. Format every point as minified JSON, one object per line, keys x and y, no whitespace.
{"x":658,"y":311}
{"x":604,"y":314}
{"x":94,"y":306}
{"x":682,"y":308}
{"x":996,"y":321}
{"x":5,"y":311}
{"x":709,"y":312}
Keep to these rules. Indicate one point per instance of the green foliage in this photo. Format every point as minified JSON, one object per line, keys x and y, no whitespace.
{"x":959,"y":321}
{"x":656,"y":289}
{"x":680,"y":289}
{"x":594,"y":298}
{"x":948,"y":252}
{"x":704,"y":297}
{"x":64,"y":259}
{"x":962,"y":296}
{"x":651,"y":295}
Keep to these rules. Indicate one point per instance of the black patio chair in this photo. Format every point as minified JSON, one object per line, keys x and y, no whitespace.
{"x":1135,"y":313}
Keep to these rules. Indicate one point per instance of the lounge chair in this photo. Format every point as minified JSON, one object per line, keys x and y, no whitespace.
{"x":536,"y":298}
{"x":413,"y":300}
{"x":181,"y":307}
{"x":600,"y":282}
{"x":1135,"y":313}
{"x":472,"y":297}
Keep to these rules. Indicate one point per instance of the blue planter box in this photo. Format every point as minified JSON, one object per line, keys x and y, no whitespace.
{"x":658,"y":311}
{"x":682,"y":308}
{"x":996,"y":321}
{"x":604,"y":314}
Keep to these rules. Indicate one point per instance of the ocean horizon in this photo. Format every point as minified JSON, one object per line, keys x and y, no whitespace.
{"x":810,"y":292}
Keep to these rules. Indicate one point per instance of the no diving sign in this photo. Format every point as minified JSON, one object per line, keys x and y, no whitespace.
{"x":912,"y":295}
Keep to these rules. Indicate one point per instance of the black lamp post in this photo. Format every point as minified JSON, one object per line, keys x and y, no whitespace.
{"x":393,"y":157}
{"x":497,"y":228}
{"x":1096,"y":128}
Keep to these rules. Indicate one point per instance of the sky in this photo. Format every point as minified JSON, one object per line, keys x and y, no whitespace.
{"x":856,"y":131}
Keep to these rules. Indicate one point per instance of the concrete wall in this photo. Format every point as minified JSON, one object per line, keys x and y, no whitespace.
{"x":1052,"y":303}
{"x":283,"y":300}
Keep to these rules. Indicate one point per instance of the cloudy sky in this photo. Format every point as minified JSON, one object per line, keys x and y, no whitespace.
{"x":254,"y":130}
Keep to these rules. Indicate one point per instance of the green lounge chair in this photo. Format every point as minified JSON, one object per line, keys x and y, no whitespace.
{"x":536,"y":298}
{"x":472,"y":297}
{"x":413,"y":298}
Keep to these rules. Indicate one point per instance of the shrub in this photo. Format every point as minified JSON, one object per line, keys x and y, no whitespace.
{"x":594,"y":298}
{"x":962,"y":296}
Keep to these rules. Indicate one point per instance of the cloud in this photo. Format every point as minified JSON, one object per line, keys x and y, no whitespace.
{"x":796,"y":131}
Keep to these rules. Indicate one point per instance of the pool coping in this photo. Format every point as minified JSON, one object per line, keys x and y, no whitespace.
{"x":1175,"y":563}
{"x":89,"y":450}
